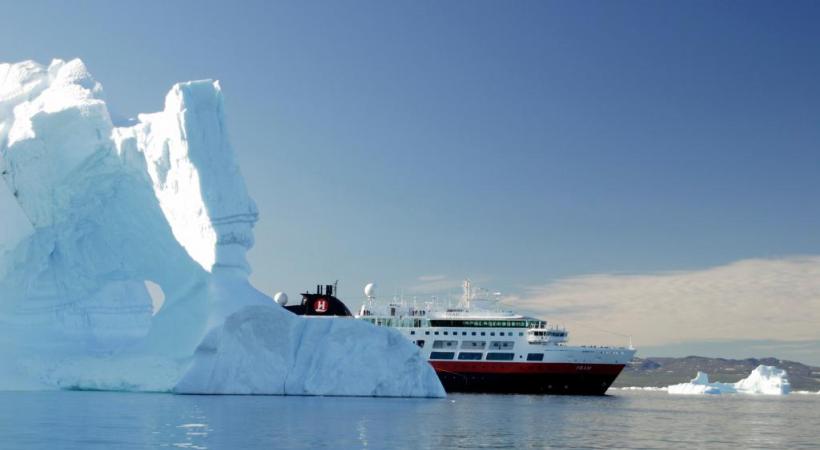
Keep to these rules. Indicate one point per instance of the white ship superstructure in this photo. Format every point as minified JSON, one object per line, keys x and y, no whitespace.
{"x":490,"y":350}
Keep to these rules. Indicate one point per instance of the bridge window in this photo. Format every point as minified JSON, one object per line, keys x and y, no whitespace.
{"x":535,"y":357}
{"x":469,"y":356}
{"x":500,"y":356}
{"x":442,"y":355}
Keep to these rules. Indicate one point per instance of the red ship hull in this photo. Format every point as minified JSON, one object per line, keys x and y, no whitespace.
{"x":526,"y":378}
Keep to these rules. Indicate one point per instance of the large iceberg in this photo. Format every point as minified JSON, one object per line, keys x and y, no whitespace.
{"x":122,"y":257}
{"x":764,"y":380}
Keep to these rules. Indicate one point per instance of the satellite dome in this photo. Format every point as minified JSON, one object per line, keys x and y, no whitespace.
{"x":370,"y":290}
{"x":281,"y":298}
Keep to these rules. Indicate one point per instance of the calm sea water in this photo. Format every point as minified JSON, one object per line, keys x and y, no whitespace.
{"x":80,"y":420}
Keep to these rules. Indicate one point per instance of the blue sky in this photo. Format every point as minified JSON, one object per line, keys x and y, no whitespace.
{"x":519,"y":143}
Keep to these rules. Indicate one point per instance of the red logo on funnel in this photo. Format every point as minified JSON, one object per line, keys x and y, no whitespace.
{"x":320,"y":306}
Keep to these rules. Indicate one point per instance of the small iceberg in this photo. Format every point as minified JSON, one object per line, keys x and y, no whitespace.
{"x":764,"y":380}
{"x":700,"y":385}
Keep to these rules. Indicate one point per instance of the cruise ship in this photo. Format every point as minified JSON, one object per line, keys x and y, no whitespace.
{"x":476,"y":349}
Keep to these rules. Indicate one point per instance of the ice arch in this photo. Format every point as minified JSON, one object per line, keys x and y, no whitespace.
{"x":100,"y":209}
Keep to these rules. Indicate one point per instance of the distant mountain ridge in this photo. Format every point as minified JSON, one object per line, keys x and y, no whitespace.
{"x":664,"y":371}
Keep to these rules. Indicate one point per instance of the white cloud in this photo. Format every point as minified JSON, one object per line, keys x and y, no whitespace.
{"x":754,"y":299}
{"x":429,"y":278}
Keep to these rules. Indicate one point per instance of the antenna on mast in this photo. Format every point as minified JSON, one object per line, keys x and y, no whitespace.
{"x":370,"y":293}
{"x":468,"y":293}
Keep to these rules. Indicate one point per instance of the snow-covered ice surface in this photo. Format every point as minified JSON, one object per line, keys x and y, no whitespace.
{"x":764,"y":380}
{"x":92,"y":215}
{"x":321,"y":367}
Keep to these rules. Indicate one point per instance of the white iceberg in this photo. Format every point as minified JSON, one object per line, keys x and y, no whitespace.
{"x":92,"y":215}
{"x":250,"y":354}
{"x":699,"y":385}
{"x":764,"y":380}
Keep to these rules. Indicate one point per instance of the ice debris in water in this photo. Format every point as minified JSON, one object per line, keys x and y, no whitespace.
{"x":639,"y":388}
{"x":764,"y":380}
{"x":122,"y":257}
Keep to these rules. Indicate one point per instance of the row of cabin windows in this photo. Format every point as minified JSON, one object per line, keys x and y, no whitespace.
{"x":487,"y":323}
{"x":474,"y":356}
{"x":473,"y":333}
{"x":416,"y":323}
{"x":494,"y":345}
{"x":492,"y":356}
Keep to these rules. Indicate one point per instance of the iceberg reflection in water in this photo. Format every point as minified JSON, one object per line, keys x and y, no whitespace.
{"x":627,"y":419}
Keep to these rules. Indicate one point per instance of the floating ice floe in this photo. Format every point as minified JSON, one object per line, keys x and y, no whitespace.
{"x":640,"y":388}
{"x":764,"y":380}
{"x":98,"y":221}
